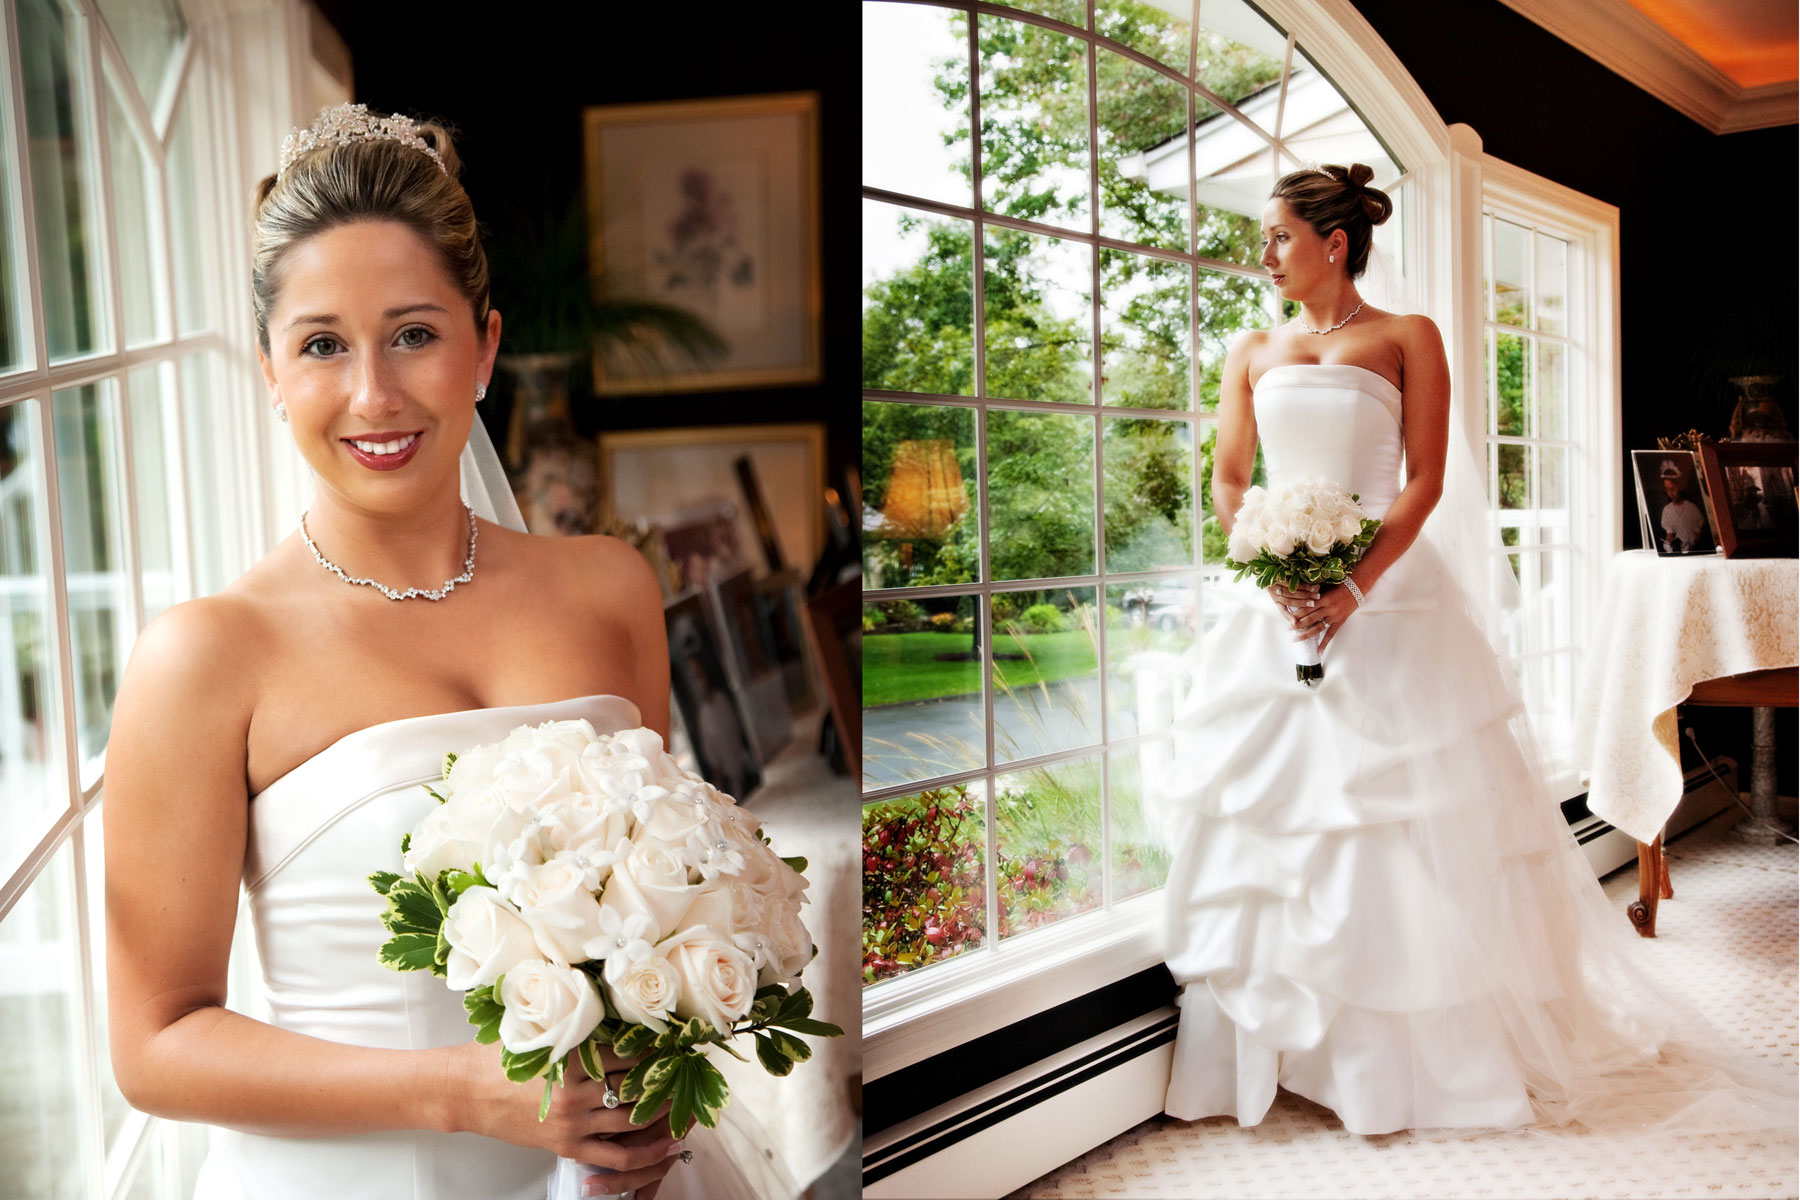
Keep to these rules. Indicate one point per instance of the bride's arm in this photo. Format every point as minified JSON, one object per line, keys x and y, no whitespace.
{"x":1234,"y":454}
{"x":1425,"y":407}
{"x":176,"y":819}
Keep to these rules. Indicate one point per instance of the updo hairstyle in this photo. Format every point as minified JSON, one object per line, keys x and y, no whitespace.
{"x":1334,"y":198}
{"x":369,"y":180}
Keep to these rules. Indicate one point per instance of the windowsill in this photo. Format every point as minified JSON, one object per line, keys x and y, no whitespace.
{"x":941,"y":1007}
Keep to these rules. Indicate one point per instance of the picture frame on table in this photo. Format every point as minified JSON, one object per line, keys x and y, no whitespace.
{"x":1674,"y":511}
{"x":1751,"y":486}
{"x":711,"y":206}
{"x":664,"y":476}
{"x":718,"y":731}
{"x":751,"y":660}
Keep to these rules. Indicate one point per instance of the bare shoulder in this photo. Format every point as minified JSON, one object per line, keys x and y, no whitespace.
{"x":1246,"y":342}
{"x":1416,"y":331}
{"x":619,"y":570}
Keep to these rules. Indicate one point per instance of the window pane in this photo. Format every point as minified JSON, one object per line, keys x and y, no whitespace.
{"x":921,"y":679}
{"x":40,"y":1031}
{"x":1140,"y":861}
{"x":1319,"y":126}
{"x":1034,"y":123}
{"x":87,"y":438}
{"x":1037,"y":305}
{"x":1157,"y":28}
{"x":1142,"y":119}
{"x":1149,"y":517}
{"x":15,"y":330}
{"x":1047,"y":825}
{"x":204,"y":501}
{"x":1144,"y":319}
{"x":1228,"y":304}
{"x":926,"y":904}
{"x":1508,"y":273}
{"x":1149,"y":626}
{"x":59,"y":141}
{"x":915,"y":72}
{"x":1552,"y":284}
{"x":918,"y":302}
{"x":919,"y":469}
{"x":1070,"y":12}
{"x":149,"y":1181}
{"x":32,"y":787}
{"x":93,"y":837}
{"x":1046,"y":672}
{"x":184,"y":224}
{"x":136,"y":201}
{"x":1551,"y":410}
{"x":1513,"y":485}
{"x":1240,"y":54}
{"x":148,"y":32}
{"x":1040,"y":495}
{"x":153,"y":458}
{"x":1235,"y":172}
{"x":1507,"y":405}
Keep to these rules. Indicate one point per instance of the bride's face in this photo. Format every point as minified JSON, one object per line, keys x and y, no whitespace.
{"x":1296,"y":257}
{"x":373,"y":350}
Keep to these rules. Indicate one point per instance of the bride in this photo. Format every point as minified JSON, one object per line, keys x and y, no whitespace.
{"x":1373,"y":901}
{"x":276,"y":733}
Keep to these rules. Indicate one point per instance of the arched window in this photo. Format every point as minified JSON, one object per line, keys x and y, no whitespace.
{"x":1060,"y":235}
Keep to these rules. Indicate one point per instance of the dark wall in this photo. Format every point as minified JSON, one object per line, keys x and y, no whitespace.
{"x":1707,"y":230}
{"x":513,"y":83}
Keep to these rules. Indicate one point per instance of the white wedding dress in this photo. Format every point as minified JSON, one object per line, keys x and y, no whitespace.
{"x":1372,"y":900}
{"x":316,"y":835}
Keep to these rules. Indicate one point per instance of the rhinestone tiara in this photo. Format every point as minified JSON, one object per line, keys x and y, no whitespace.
{"x":345,"y":123}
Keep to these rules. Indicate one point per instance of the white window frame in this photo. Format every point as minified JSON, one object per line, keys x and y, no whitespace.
{"x":252,"y":67}
{"x":1448,"y":180}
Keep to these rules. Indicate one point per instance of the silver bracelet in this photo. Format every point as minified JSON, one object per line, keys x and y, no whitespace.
{"x":1354,"y":590}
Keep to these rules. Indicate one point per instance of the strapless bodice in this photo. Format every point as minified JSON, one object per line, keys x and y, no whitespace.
{"x":1340,"y":422}
{"x":315,"y":836}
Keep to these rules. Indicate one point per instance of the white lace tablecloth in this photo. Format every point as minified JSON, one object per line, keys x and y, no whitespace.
{"x":1664,"y":625}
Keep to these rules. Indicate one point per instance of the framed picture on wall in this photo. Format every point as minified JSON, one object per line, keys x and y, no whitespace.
{"x":1672,"y":507}
{"x":711,"y":206}
{"x":663,"y":476}
{"x":1751,"y":488}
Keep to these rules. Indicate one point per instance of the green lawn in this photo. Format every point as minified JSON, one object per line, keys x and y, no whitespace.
{"x":898,"y":667}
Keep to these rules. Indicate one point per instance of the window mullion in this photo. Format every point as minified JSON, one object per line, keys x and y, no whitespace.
{"x":162,"y":123}
{"x":32,"y":284}
{"x":87,"y":1065}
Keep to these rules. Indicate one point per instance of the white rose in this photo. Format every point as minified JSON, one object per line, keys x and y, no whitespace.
{"x":718,"y":980}
{"x":1239,"y":545}
{"x":547,"y":1005}
{"x":1280,"y":540}
{"x":651,"y":878}
{"x":678,"y":814}
{"x":1321,"y":538}
{"x":788,"y":944}
{"x":555,"y":900}
{"x":472,"y":826}
{"x":1348,"y":527}
{"x":644,"y":988}
{"x":473,"y":768}
{"x":663,"y":769}
{"x":487,"y":938}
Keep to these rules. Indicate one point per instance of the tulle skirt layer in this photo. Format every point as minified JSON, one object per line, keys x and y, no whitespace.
{"x":1374,"y":902}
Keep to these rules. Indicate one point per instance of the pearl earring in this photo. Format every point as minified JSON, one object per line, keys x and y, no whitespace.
{"x":1331,"y":258}
{"x":480,"y":392}
{"x":281,"y":409}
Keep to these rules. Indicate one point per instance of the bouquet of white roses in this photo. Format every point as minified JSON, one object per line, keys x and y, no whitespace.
{"x":584,"y":891}
{"x":1310,"y":530}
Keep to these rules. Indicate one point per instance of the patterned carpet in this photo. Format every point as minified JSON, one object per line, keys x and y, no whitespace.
{"x":1727,"y":940}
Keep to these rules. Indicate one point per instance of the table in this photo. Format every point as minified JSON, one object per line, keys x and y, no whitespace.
{"x":1664,"y":628}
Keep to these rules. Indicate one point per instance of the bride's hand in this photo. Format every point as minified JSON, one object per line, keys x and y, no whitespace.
{"x":1330,"y":607}
{"x":578,"y":1126}
{"x":1294,"y":602}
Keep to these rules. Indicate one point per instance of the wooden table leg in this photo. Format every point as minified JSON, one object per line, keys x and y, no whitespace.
{"x":1653,"y":875}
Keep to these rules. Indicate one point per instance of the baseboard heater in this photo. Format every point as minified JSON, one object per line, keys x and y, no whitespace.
{"x":1703,"y":797}
{"x":999,"y":1137}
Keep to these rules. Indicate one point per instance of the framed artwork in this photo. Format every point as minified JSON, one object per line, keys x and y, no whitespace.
{"x":1673,"y":509}
{"x":667,"y":476}
{"x":1751,"y":487}
{"x":711,"y":206}
{"x":716,"y":727}
{"x":750,"y":656}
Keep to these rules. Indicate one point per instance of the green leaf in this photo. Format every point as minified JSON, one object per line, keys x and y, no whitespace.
{"x":790,"y":1045}
{"x":632,"y":1086}
{"x":405,"y":842}
{"x":797,"y":1005}
{"x":520,"y":1067}
{"x":771,"y":1057}
{"x":655,"y":1085}
{"x":484,"y":1013}
{"x":699,"y":1093}
{"x":410,"y":951}
{"x":816,"y":1028}
{"x":634,"y":1041}
{"x":590,"y":1060}
{"x":411,"y":909}
{"x":433,"y":794}
{"x":441,"y":955}
{"x":544,"y":1104}
{"x":382,"y":881}
{"x":798,"y":862}
{"x":459,"y":882}
{"x":449,"y":761}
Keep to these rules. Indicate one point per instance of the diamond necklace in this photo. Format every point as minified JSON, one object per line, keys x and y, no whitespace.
{"x":1339,"y":325}
{"x":409,"y":593}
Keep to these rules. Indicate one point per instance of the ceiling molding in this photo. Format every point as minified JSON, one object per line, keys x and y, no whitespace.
{"x":1630,"y":44}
